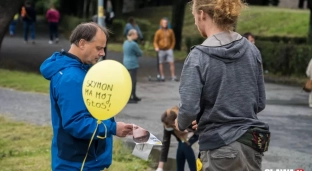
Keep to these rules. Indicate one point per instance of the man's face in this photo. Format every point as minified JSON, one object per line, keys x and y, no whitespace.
{"x":94,"y":50}
{"x":199,"y":21}
{"x":164,"y":23}
{"x":251,"y":39}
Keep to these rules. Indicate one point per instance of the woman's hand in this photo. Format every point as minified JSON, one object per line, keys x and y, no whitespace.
{"x":194,"y":123}
{"x":176,"y":124}
{"x":160,"y":166}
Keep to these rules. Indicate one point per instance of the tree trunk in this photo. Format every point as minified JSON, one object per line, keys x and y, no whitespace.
{"x":117,"y":7}
{"x":84,"y":12}
{"x":8,"y":9}
{"x":310,"y":28}
{"x":79,"y":5}
{"x":178,"y":9}
{"x":310,"y":22}
{"x":93,"y":7}
{"x":66,"y":7}
{"x":88,"y":9}
{"x":301,"y":4}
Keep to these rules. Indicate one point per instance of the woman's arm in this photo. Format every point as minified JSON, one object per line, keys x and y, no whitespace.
{"x":165,"y":148}
{"x":137,"y":50}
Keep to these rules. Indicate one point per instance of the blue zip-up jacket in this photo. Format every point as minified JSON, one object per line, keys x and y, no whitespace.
{"x":72,"y":123}
{"x":131,"y":52}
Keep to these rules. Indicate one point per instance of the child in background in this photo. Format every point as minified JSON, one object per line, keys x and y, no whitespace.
{"x":13,"y":23}
{"x":184,"y":151}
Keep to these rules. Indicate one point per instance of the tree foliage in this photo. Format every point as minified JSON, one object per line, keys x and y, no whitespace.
{"x":178,"y":9}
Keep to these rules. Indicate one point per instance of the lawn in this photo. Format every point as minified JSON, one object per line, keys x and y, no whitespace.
{"x":25,"y":146}
{"x":23,"y":81}
{"x":264,"y":21}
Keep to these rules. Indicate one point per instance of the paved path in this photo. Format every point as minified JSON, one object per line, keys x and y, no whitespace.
{"x":286,"y":112}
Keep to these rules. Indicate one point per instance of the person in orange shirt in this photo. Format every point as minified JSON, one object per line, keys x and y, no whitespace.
{"x":164,"y":41}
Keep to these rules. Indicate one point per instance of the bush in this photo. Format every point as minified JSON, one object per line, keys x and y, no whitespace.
{"x":283,"y":39}
{"x":284,"y":59}
{"x":42,"y":6}
{"x":117,"y":28}
{"x":191,"y":41}
{"x":263,"y":2}
{"x":145,"y":27}
{"x":68,"y":23}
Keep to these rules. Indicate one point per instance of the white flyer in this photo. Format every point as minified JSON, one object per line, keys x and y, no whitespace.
{"x":142,"y":151}
{"x":144,"y":142}
{"x":142,"y":136}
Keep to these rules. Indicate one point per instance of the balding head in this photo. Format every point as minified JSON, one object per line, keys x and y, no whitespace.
{"x":86,"y":31}
{"x":88,"y":41}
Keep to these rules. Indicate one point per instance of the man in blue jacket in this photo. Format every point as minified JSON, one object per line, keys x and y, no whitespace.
{"x":72,"y":123}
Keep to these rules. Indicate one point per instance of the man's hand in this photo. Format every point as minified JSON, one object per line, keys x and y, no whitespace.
{"x":194,"y":123}
{"x":123,"y":129}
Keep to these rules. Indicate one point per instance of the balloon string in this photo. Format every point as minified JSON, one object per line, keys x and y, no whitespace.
{"x":97,"y":125}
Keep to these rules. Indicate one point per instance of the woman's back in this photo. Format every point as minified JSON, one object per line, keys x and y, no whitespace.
{"x":131,"y":52}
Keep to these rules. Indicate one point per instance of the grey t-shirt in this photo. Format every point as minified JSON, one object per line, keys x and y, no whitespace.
{"x":222,"y":82}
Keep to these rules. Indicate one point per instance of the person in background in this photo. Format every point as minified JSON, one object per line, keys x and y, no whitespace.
{"x":169,"y":24}
{"x":131,"y":53}
{"x":28,"y":14}
{"x":164,"y":42}
{"x":222,"y":91}
{"x":133,"y":25}
{"x":110,"y":15}
{"x":184,"y":151}
{"x":250,"y":37}
{"x":12,"y":27}
{"x":72,"y":123}
{"x":309,"y":74}
{"x":53,"y":17}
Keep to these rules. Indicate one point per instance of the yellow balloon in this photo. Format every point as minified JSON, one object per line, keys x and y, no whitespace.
{"x":106,"y":89}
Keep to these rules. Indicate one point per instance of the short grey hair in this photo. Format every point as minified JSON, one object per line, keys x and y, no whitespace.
{"x":87,"y":32}
{"x":131,"y":32}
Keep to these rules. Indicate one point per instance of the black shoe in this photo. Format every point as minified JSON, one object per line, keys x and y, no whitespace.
{"x":132,"y":101}
{"x":136,"y":98}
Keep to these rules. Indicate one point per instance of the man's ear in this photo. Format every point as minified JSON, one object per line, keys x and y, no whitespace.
{"x":82,"y":43}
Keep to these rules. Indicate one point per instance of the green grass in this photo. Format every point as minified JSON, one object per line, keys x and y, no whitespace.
{"x":25,"y":147}
{"x":265,"y":21}
{"x":270,"y":21}
{"x":23,"y":81}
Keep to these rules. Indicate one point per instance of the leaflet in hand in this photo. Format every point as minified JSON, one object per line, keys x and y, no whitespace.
{"x":142,"y":136}
{"x":144,"y":141}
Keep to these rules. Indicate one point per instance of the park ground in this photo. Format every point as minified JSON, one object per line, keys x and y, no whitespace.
{"x":24,"y":97}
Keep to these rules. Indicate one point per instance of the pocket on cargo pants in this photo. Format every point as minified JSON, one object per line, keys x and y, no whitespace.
{"x":226,"y":158}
